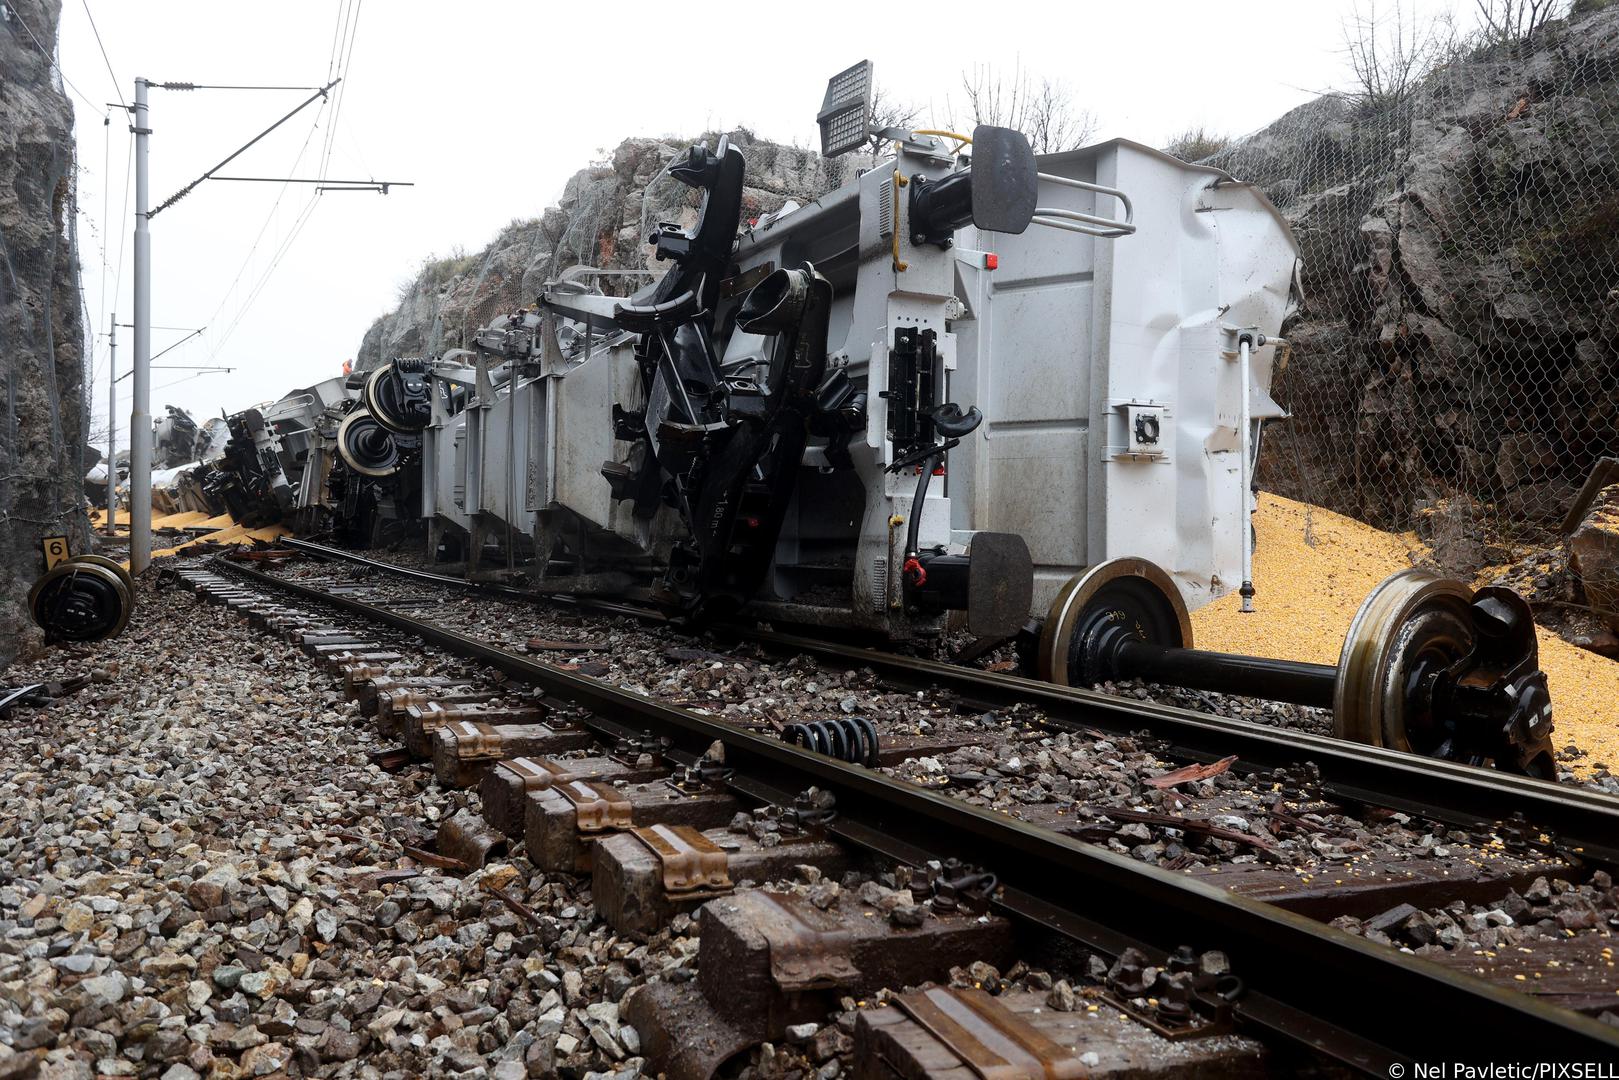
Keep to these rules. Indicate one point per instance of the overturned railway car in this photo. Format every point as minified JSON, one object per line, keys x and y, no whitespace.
{"x":868,"y":405}
{"x":972,"y":388}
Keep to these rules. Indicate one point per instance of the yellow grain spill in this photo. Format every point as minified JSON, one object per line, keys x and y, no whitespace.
{"x":234,"y":534}
{"x":1308,"y":594}
{"x":183,"y":520}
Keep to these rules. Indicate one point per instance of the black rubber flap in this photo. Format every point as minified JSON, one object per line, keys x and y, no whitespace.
{"x":1000,"y":582}
{"x":1005,"y":180}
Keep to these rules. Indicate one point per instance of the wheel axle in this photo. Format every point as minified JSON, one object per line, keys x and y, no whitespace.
{"x":396,"y":394}
{"x":1428,"y":666}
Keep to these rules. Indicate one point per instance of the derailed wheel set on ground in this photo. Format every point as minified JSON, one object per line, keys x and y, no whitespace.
{"x":1429,"y":666}
{"x":85,"y":598}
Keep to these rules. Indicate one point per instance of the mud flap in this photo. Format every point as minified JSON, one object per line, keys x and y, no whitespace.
{"x":1000,"y":584}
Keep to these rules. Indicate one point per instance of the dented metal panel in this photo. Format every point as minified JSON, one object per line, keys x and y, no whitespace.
{"x":1072,"y":339}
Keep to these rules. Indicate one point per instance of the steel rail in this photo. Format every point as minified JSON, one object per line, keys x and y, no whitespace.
{"x":1366,"y":1004}
{"x":487,"y":588}
{"x":1579,"y":821}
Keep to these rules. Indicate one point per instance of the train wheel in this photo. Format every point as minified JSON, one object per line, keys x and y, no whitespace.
{"x":81,"y":601}
{"x":1431,"y":668}
{"x":399,"y":400}
{"x":1128,"y":595}
{"x":366,"y":446}
{"x":111,"y":564}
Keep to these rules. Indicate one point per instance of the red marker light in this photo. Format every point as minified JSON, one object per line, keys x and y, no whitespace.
{"x":992,"y":261}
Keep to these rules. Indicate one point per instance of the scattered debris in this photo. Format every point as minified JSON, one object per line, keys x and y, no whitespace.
{"x":1187,"y":774}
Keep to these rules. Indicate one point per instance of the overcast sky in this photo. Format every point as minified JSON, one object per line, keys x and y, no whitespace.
{"x":488,"y":107}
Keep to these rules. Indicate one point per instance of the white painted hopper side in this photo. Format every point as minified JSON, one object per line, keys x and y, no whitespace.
{"x":1070,"y":330}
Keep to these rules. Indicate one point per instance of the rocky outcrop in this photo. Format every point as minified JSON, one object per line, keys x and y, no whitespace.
{"x":602,"y":220}
{"x":1459,"y":343}
{"x":42,"y":391}
{"x":1593,"y":554}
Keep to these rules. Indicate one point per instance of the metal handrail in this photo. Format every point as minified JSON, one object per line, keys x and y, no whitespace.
{"x":1056,"y":217}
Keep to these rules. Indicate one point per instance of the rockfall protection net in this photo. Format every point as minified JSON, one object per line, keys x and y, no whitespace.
{"x":1455,"y":364}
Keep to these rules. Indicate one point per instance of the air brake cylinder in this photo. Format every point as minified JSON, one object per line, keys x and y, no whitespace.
{"x":994,"y":581}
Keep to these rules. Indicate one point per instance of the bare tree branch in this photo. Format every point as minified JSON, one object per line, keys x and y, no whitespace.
{"x":1503,"y":22}
{"x":1041,"y":108}
{"x":1390,"y":51}
{"x":888,"y":112}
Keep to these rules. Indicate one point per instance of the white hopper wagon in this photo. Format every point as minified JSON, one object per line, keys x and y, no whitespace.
{"x":970,"y":387}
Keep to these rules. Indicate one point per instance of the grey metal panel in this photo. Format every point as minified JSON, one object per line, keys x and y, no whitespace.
{"x":1023,"y":499}
{"x":1038,"y":344}
{"x":1035,"y":376}
{"x":585,"y":438}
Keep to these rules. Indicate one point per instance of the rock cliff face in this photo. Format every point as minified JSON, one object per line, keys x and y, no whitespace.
{"x":42,"y":392}
{"x":1594,"y":555}
{"x":602,"y":220}
{"x":1459,"y":344}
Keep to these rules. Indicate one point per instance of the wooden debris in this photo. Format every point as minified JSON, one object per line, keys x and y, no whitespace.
{"x":1187,"y":774}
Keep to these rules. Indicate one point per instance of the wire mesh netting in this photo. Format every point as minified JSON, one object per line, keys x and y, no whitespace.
{"x":42,"y":363}
{"x":1454,"y":364}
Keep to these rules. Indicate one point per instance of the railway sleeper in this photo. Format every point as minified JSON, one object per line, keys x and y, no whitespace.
{"x":504,"y":787}
{"x":267,"y":616}
{"x":396,"y":692}
{"x":273,"y":619}
{"x":561,"y":823}
{"x":270,"y":617}
{"x":391,"y":707}
{"x":768,"y":961}
{"x":332,"y":659}
{"x":785,"y":958}
{"x":953,"y":1033}
{"x":467,"y":837}
{"x":463,"y":750}
{"x":642,"y":878}
{"x":308,"y":639}
{"x":355,"y":671}
{"x":422,"y":723}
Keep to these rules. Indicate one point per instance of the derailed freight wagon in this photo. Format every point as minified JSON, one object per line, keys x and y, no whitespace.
{"x":971,"y":387}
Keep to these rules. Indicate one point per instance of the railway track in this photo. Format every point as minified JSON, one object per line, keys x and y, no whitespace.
{"x":1582,"y":822}
{"x":1302,"y":981}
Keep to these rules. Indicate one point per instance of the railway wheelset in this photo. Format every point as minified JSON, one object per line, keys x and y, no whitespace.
{"x":383,"y":431}
{"x":84,"y":598}
{"x":1429,"y":665}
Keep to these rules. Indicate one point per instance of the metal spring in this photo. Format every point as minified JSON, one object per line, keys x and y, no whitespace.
{"x":850,"y":739}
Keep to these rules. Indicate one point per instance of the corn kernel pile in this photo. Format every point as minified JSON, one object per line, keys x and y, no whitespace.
{"x":1312,"y":569}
